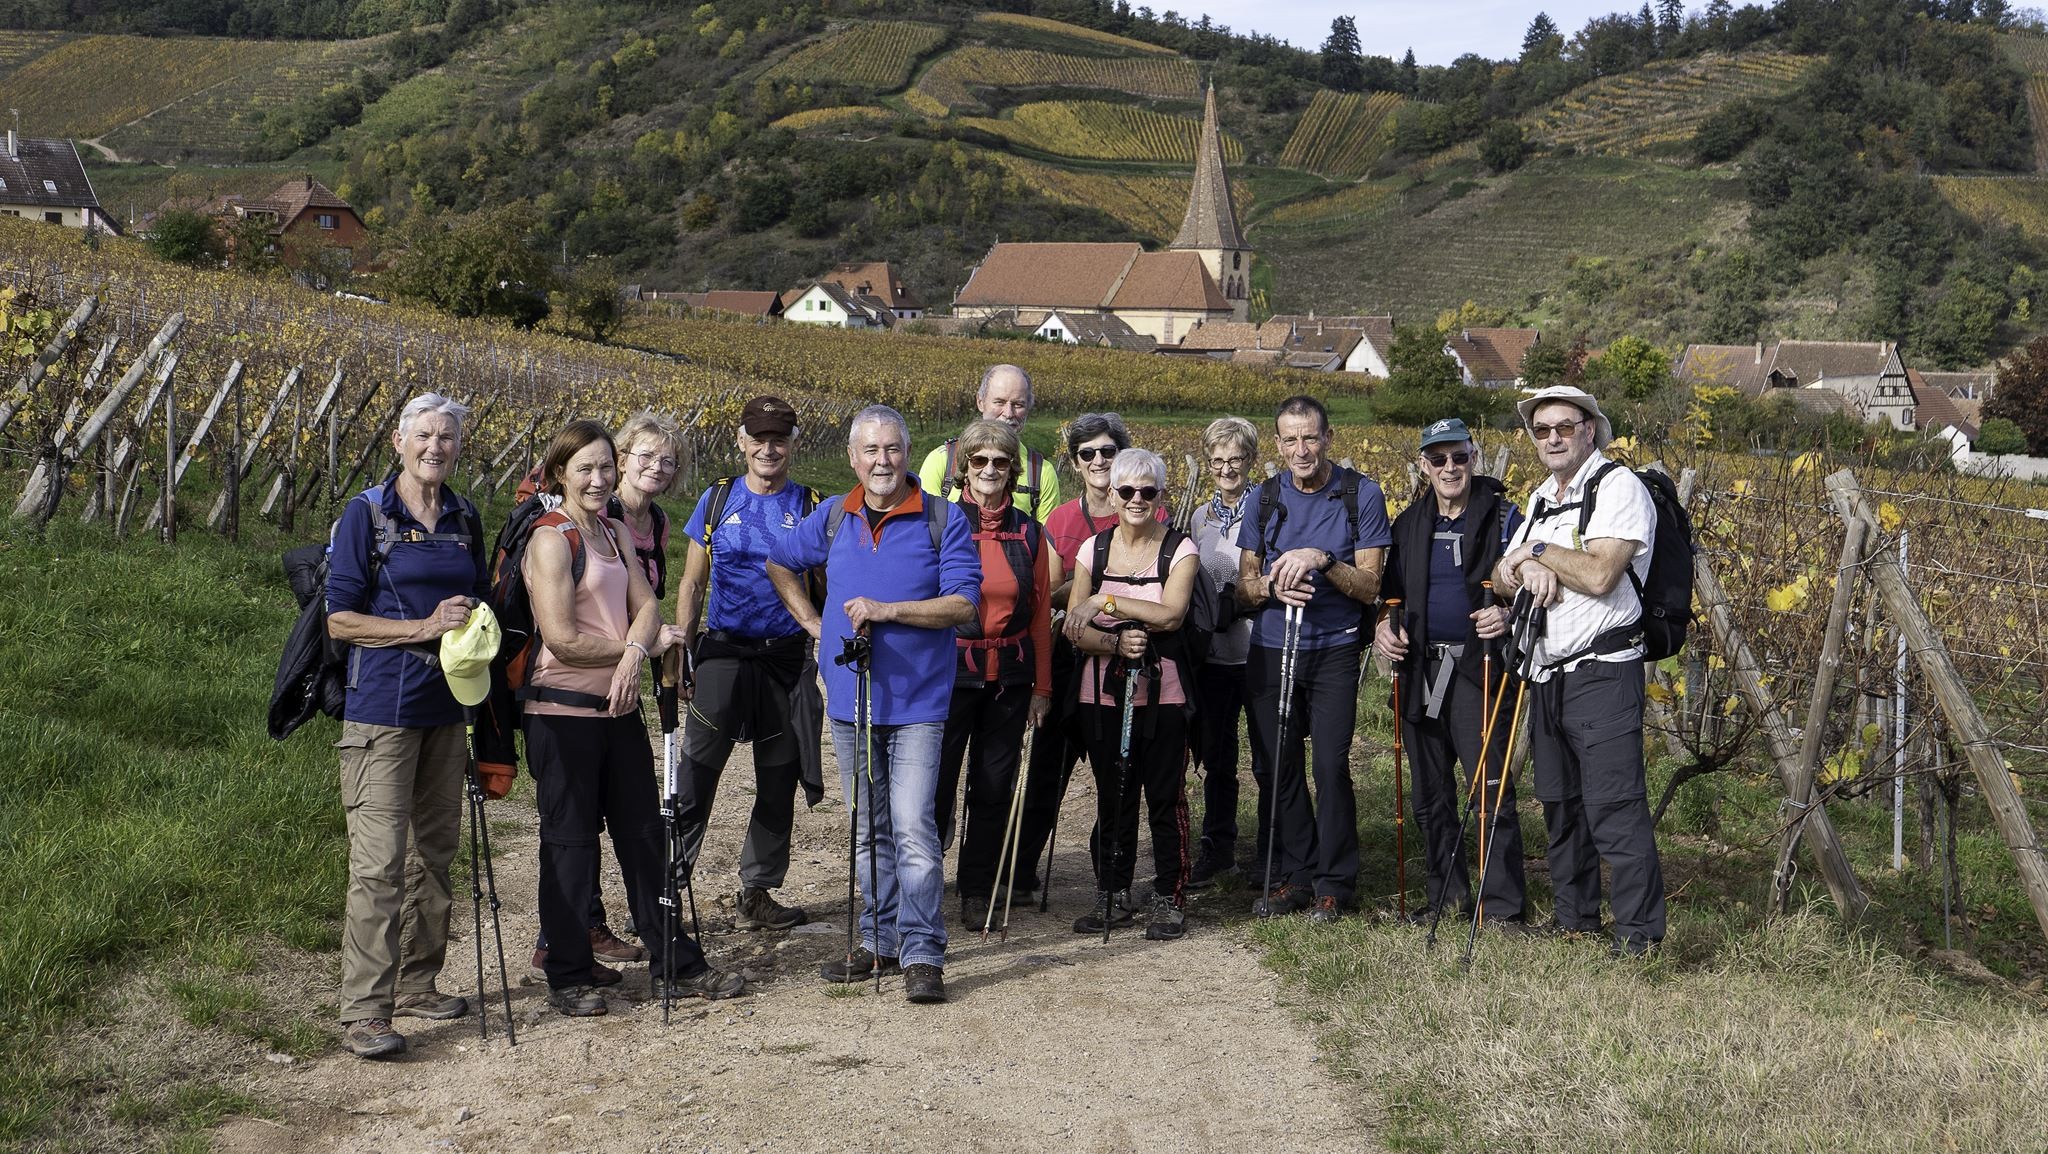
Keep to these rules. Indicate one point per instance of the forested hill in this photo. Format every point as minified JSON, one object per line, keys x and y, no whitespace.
{"x":1811,"y":168}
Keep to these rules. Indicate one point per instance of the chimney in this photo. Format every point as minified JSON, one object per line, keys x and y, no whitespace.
{"x":13,"y":145}
{"x":1759,"y":352}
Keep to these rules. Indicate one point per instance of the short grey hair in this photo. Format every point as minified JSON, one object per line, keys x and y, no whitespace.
{"x":1231,"y":429}
{"x":427,"y":403}
{"x":883,"y":414}
{"x":989,"y":376}
{"x":1137,"y":467}
{"x":1088,"y":426}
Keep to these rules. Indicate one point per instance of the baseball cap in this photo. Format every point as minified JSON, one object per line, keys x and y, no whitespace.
{"x":466,"y":653}
{"x":1448,"y":431}
{"x":768,"y":416}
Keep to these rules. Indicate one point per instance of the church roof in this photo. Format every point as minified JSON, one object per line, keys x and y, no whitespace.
{"x":1211,"y":221}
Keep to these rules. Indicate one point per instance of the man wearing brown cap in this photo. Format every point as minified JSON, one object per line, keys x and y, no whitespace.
{"x":752,"y":657}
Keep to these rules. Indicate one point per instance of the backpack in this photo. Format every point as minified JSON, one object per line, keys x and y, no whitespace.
{"x":936,"y":514}
{"x":1187,"y":646}
{"x":657,"y":557}
{"x":312,"y":672}
{"x":1020,"y":546}
{"x":1665,"y":594}
{"x":715,"y":512}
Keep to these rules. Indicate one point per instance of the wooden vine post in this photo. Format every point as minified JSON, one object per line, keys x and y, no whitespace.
{"x":1846,"y":573}
{"x":1972,"y":734}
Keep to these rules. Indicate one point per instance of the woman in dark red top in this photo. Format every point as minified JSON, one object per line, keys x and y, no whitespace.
{"x":1003,"y":675}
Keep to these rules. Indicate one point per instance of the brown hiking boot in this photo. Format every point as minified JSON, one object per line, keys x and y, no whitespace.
{"x":600,"y":974}
{"x":430,"y":1004}
{"x":372,"y":1038}
{"x":608,"y":948}
{"x":758,"y":910}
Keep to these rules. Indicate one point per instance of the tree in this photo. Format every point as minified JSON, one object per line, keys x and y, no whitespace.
{"x":1550,"y":363}
{"x":1343,"y":63}
{"x":1411,"y":76}
{"x":2000,"y":437}
{"x":1503,"y":147}
{"x":1638,"y":366}
{"x":1718,"y":13}
{"x":1670,"y":20}
{"x":592,"y":298}
{"x":2022,"y":396}
{"x":481,"y":264}
{"x":185,"y":237}
{"x":1542,"y":38}
{"x":1423,"y":384}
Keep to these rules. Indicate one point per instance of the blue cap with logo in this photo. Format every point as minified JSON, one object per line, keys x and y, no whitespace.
{"x":1448,"y":431}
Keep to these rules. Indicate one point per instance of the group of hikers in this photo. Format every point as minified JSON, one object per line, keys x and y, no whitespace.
{"x":1103,"y":627}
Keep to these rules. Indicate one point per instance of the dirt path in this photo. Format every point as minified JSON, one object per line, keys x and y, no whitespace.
{"x":1051,"y":1041}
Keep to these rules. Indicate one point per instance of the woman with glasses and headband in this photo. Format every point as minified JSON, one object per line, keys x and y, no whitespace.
{"x":1232,"y":445}
{"x":1130,"y":583}
{"x":1002,"y":675}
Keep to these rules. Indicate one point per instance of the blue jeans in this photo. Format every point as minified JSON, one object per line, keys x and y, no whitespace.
{"x":902,"y":917}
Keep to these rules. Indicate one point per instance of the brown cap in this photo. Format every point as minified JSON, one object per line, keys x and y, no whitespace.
{"x":766,"y":416}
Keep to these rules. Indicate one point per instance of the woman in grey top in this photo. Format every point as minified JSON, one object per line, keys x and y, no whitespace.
{"x":1232,"y":445}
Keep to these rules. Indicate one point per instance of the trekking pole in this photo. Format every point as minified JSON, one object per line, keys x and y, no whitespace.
{"x":1290,"y":638}
{"x":1400,"y":806}
{"x":1013,"y":828}
{"x":1525,"y":648}
{"x":480,"y":850}
{"x":1474,"y":784}
{"x":1124,"y":785}
{"x":854,"y":652}
{"x":665,"y":693}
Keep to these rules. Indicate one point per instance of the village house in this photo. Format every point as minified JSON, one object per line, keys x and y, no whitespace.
{"x":1491,"y":358}
{"x":1865,"y":379}
{"x":306,"y":223}
{"x":43,"y":179}
{"x":864,"y":295}
{"x":1100,"y":330}
{"x":1203,"y":276}
{"x":738,"y":302}
{"x":1367,"y":354}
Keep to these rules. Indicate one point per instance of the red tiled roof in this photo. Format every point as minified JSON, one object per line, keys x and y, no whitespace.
{"x":1049,"y":275}
{"x":1932,"y":408}
{"x":294,"y":197}
{"x":1169,"y":280}
{"x":1808,"y":361}
{"x":875,"y":279}
{"x":1737,"y":366}
{"x":743,"y":301}
{"x":1492,"y":354}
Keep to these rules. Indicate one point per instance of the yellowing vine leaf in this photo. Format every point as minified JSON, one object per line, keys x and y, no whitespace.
{"x":1889,"y":518}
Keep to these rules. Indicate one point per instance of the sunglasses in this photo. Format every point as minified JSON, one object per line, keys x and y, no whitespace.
{"x":1141,"y":492}
{"x":1439,"y":460}
{"x":1106,"y":452}
{"x":983,"y":461}
{"x":1565,"y":429}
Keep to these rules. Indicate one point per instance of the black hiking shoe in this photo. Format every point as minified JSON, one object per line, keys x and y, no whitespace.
{"x":600,"y":974}
{"x":1209,"y":871}
{"x":924,"y":984}
{"x":1326,"y":911}
{"x":859,"y":968}
{"x":1111,"y":910}
{"x":1168,"y":922}
{"x":707,"y":983}
{"x":1285,"y":899}
{"x":760,"y":911}
{"x":372,"y":1038}
{"x":974,"y":911}
{"x":577,"y":1001}
{"x":430,"y":1004}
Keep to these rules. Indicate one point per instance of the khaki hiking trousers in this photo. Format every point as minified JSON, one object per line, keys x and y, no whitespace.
{"x":402,"y":790}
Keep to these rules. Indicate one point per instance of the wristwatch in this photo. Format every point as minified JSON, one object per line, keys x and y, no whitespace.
{"x":1109,"y":606}
{"x":1537,"y":549}
{"x":1329,"y":559}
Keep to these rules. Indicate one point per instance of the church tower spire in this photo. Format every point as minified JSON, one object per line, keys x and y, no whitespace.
{"x":1210,"y":226}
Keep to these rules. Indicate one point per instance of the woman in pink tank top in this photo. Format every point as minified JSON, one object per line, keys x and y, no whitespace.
{"x":588,"y":750}
{"x":1148,"y":574}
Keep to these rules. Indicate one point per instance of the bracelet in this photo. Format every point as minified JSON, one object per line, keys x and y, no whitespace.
{"x":641,"y":648}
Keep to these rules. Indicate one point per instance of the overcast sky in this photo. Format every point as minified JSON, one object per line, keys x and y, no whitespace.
{"x":1438,"y":30}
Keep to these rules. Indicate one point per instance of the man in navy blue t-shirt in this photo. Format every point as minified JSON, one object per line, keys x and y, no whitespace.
{"x":1445,"y":547}
{"x":1315,"y":538}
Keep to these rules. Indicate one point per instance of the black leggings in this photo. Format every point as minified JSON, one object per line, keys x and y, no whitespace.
{"x":1158,"y":769}
{"x":985,"y":724}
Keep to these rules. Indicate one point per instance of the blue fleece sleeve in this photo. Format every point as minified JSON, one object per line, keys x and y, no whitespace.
{"x":959,"y":560}
{"x":348,"y":561}
{"x":803,"y":547}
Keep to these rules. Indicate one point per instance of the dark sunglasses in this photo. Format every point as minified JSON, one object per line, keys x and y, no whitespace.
{"x":1439,"y":460}
{"x":982,"y":461}
{"x":1565,"y":429}
{"x":1141,"y":492}
{"x":1106,"y":452}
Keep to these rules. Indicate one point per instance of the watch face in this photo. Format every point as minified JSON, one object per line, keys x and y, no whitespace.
{"x":1537,"y":549}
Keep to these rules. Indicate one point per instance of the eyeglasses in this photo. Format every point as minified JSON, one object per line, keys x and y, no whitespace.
{"x":1231,"y":464}
{"x":1089,"y":453}
{"x":646,"y":459}
{"x":1141,"y":492}
{"x":984,"y":461}
{"x":1565,"y":429}
{"x":1439,"y":460}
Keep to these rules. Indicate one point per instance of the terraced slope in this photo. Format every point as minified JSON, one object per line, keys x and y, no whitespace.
{"x":1091,"y":37}
{"x":1658,"y":108}
{"x":838,"y":118}
{"x":1341,"y":133}
{"x":1150,"y":205}
{"x":2017,"y":202}
{"x":95,"y":84}
{"x":946,"y":85}
{"x":877,"y":56}
{"x":1098,"y":130}
{"x":18,"y":48}
{"x":218,"y":123}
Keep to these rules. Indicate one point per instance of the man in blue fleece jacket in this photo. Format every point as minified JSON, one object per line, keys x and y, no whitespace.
{"x":902,"y":574}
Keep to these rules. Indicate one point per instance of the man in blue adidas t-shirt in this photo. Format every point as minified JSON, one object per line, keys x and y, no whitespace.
{"x":751,"y":658}
{"x":1314,"y":538}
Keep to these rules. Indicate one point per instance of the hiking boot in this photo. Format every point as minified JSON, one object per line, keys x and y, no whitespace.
{"x":1111,"y":909}
{"x":1209,"y":871}
{"x":707,"y":983}
{"x":1634,"y":949}
{"x":430,"y":1004}
{"x":1285,"y":899}
{"x":974,"y":911}
{"x":577,"y":1001}
{"x":600,"y":974}
{"x":924,"y":984}
{"x":1515,"y":927}
{"x":1325,"y":911}
{"x":1168,"y":921}
{"x":372,"y":1038}
{"x":759,"y":911}
{"x":859,"y":968}
{"x":606,"y":948}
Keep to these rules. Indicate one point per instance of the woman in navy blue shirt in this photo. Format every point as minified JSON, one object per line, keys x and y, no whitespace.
{"x":406,"y":564}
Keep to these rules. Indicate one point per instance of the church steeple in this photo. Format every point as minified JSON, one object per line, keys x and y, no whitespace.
{"x":1210,"y":226}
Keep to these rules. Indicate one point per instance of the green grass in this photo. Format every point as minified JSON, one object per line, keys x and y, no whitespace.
{"x":146,"y":820}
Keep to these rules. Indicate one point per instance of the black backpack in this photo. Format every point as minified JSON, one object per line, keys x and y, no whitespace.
{"x":1187,"y":646}
{"x":1665,"y":594}
{"x":312,"y":672}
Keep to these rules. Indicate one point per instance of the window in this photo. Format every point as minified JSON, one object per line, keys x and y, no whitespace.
{"x":3,"y":184}
{"x":54,"y":217}
{"x":50,"y":186}
{"x":1236,"y":260}
{"x":327,"y":221}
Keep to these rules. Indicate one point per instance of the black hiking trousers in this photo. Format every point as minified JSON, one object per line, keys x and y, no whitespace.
{"x":985,"y":727}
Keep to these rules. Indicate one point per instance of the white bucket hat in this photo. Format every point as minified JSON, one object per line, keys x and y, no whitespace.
{"x":1603,"y":429}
